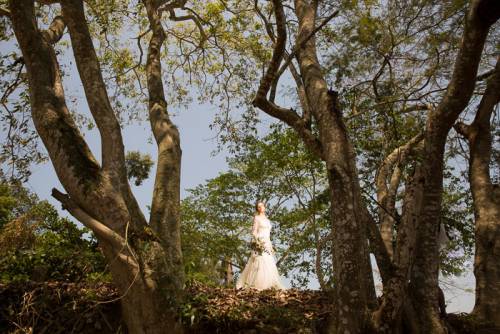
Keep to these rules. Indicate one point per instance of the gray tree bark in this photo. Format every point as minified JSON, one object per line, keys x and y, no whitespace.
{"x":145,"y":261}
{"x":333,"y":145}
{"x":486,"y":198}
{"x":426,"y":294}
{"x":351,"y":222}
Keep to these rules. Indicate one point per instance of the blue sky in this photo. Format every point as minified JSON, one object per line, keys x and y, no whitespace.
{"x":197,"y":143}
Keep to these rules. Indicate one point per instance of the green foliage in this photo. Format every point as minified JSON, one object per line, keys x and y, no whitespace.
{"x":217,"y":216}
{"x":37,"y":244}
{"x":7,"y":204}
{"x":279,"y":170}
{"x":213,"y":217}
{"x":138,"y":166}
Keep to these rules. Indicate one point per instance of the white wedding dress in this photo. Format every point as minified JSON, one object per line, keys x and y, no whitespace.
{"x":261,"y":272}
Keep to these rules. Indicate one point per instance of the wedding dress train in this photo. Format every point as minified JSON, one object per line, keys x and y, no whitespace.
{"x":260,"y":271}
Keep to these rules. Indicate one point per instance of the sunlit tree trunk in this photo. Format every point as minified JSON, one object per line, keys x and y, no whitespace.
{"x":228,"y":271}
{"x":144,"y":259}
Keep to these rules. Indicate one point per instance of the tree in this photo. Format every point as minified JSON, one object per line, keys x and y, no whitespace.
{"x":145,"y":258}
{"x":372,"y":135}
{"x":331,"y":141}
{"x":481,"y":15}
{"x":486,"y":202}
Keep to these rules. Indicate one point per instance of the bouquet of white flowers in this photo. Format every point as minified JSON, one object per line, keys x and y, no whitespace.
{"x":258,"y":246}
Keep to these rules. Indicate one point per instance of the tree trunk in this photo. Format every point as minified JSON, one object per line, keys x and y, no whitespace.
{"x":348,"y":230}
{"x":228,"y":271}
{"x":146,"y":306}
{"x":140,"y":260}
{"x":388,"y":318}
{"x":426,"y":269}
{"x":481,"y":15}
{"x":487,"y":265}
{"x":165,"y":206}
{"x":349,"y":263}
{"x":486,"y":198}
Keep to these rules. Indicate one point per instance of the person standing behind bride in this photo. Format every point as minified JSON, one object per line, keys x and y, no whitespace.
{"x":260,"y":271}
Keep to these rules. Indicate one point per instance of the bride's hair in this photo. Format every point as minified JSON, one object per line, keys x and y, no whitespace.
{"x":257,"y":206}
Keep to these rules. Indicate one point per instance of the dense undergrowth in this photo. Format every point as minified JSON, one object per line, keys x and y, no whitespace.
{"x":62,"y":307}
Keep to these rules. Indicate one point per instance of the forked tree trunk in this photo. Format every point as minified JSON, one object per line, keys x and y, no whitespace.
{"x":486,"y":198}
{"x":481,"y":15}
{"x":393,"y":310}
{"x":348,"y":214}
{"x":144,"y":260}
{"x":146,"y":306}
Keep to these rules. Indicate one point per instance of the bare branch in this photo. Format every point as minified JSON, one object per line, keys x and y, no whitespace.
{"x":464,"y":129}
{"x":416,"y":107}
{"x":289,"y":116}
{"x":4,"y":12}
{"x":55,"y":31}
{"x":163,"y":6}
{"x":485,"y":75}
{"x":377,"y":77}
{"x":14,"y":84}
{"x":102,"y":231}
{"x":196,"y":21}
{"x":267,"y":24}
{"x":278,"y":53}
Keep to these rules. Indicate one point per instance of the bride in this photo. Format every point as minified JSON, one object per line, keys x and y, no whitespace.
{"x":260,"y":272}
